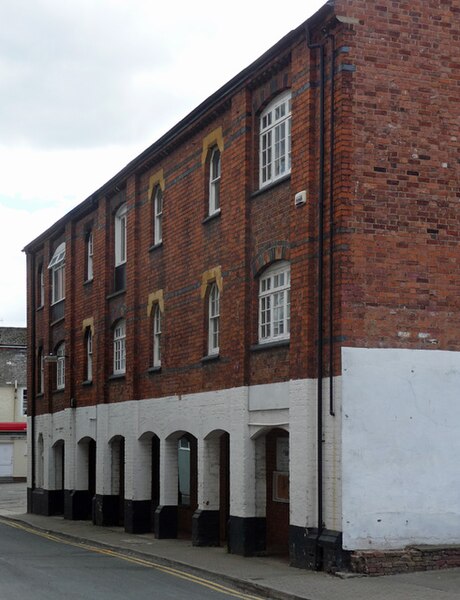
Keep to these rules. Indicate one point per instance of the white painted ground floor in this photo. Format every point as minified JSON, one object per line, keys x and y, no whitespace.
{"x":241,"y":466}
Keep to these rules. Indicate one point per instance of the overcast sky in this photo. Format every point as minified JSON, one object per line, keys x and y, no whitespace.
{"x":86,"y":86}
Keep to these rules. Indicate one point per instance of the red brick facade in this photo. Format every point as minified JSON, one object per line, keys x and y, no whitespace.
{"x":388,"y":151}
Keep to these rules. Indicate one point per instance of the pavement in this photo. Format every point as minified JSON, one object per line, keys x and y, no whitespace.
{"x":266,"y":577}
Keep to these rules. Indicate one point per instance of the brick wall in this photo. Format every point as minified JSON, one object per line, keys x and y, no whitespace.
{"x":421,"y":558}
{"x":400,"y":223}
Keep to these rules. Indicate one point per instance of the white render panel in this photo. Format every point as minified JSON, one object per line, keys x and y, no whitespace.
{"x":269,"y":396}
{"x":401,"y":443}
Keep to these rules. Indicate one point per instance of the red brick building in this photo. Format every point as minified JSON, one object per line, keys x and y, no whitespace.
{"x":299,"y":226}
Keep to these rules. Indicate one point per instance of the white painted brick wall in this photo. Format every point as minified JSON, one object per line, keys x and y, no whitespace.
{"x":201,"y":415}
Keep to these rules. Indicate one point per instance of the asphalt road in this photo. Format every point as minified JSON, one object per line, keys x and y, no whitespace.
{"x":40,"y":566}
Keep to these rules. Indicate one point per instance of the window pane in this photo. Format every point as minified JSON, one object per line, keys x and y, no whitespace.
{"x":274,"y":303}
{"x":275,"y":143}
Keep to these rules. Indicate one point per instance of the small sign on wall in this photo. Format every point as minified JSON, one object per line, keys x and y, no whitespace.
{"x":281,"y":475}
{"x":280,"y":486}
{"x":282,"y":454}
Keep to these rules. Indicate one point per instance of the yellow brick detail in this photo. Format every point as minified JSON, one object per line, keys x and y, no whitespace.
{"x":214,"y":274}
{"x":155,"y":298}
{"x":156,"y":179}
{"x":88,"y":323}
{"x":215,"y":138}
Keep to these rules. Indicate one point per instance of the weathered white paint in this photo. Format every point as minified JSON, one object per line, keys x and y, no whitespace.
{"x":401,"y":447}
{"x":206,"y":415}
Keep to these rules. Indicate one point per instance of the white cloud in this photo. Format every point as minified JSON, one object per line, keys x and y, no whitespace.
{"x":88,"y":85}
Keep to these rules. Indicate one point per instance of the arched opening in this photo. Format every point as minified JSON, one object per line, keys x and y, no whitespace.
{"x":155,"y":474}
{"x":149,"y":458}
{"x":80,"y":504}
{"x":57,"y":496}
{"x":277,"y":491}
{"x":210,"y":522}
{"x":224,"y":486}
{"x":187,"y":484}
{"x":40,"y":465}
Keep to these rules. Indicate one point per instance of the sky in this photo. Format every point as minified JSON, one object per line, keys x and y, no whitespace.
{"x":86,"y":86}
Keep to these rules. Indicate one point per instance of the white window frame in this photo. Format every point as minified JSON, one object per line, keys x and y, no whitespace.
{"x":214,"y":181}
{"x":158,"y":216}
{"x":120,"y":235}
{"x":60,"y":366}
{"x":89,"y":354}
{"x":157,"y":336}
{"x":275,"y":303}
{"x":57,"y":267}
{"x":41,"y":371}
{"x":41,"y":286}
{"x":89,"y":256}
{"x":119,"y":348}
{"x":275,"y":140}
{"x":213,"y":320}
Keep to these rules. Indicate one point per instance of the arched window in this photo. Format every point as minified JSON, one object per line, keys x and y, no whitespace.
{"x":214,"y":181}
{"x":120,"y":235}
{"x":40,"y":372}
{"x":60,"y":366}
{"x":40,"y":287}
{"x":89,"y":354}
{"x":213,"y":319}
{"x":157,"y":336}
{"x":57,"y":267}
{"x":275,"y":302}
{"x":158,"y":216}
{"x":119,"y":347}
{"x":275,"y":140}
{"x":89,"y":256}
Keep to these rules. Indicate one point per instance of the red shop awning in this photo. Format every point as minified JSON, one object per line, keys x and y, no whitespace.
{"x":13,"y":426}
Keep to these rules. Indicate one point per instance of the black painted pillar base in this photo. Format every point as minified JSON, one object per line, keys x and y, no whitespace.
{"x":205,"y":528}
{"x":138,"y":516}
{"x":304,"y":552}
{"x":335,"y":558}
{"x":77,"y":505}
{"x":45,"y":502}
{"x":165,"y":522}
{"x":247,"y":535}
{"x":106,"y":510}
{"x":307,"y":550}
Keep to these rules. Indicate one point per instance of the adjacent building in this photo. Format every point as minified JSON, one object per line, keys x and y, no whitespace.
{"x":249,"y":335}
{"x":13,"y":403}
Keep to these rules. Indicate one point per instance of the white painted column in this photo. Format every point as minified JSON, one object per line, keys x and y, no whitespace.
{"x":242,"y":474}
{"x":103,"y":454}
{"x":260,"y":477}
{"x":208,"y":473}
{"x":302,"y":453}
{"x":168,"y":472}
{"x":138,"y":456}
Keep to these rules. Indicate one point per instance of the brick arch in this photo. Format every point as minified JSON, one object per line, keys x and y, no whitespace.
{"x":267,"y":256}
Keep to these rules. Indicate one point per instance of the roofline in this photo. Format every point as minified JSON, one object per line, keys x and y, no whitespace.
{"x":191,"y":118}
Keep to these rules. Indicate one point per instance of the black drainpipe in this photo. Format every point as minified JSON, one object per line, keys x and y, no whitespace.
{"x":320,"y":367}
{"x":32,"y":356}
{"x":331,"y":227}
{"x":320,"y":311}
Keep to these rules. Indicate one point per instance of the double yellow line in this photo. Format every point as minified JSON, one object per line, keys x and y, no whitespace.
{"x":217,"y":587}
